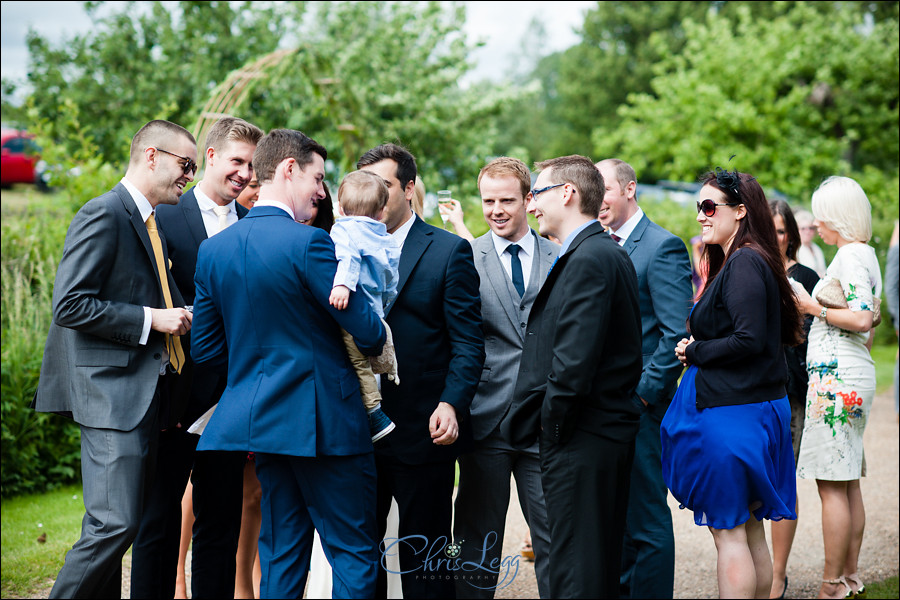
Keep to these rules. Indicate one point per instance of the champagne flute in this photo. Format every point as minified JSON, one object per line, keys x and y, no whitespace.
{"x":444,"y":197}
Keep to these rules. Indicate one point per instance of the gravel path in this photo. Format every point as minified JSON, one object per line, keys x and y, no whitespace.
{"x":695,"y":555}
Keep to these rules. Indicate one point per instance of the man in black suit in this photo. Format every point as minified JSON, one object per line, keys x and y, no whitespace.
{"x":436,"y":325}
{"x":580,"y":362}
{"x":203,"y":211}
{"x":117,"y":318}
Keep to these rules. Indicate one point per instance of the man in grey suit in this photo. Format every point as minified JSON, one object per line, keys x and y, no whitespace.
{"x":664,"y":290}
{"x":512,"y":262}
{"x":117,"y":315}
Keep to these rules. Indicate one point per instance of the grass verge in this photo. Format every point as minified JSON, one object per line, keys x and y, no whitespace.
{"x":30,"y":565}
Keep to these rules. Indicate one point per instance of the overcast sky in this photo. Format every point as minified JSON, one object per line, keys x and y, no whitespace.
{"x":502,"y":25}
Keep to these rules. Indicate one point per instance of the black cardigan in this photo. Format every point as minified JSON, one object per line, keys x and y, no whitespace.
{"x":736,"y":326}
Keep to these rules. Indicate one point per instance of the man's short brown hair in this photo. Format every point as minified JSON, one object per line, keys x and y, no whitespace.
{"x":232,"y":129}
{"x":505,"y":166}
{"x":280,"y":144}
{"x":581,"y":173}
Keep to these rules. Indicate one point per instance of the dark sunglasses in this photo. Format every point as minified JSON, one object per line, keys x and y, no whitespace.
{"x":709,"y":207}
{"x":534,"y":193}
{"x":188,"y":166}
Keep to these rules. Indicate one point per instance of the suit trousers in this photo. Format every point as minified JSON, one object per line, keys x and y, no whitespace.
{"x":218,"y":495}
{"x":648,"y":554}
{"x":482,"y":501}
{"x":336,"y":496}
{"x":585,"y":483}
{"x":424,"y":495}
{"x":116,"y":471}
{"x":154,"y":556}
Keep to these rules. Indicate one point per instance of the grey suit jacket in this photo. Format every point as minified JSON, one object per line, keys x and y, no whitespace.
{"x":663,"y":270}
{"x":94,"y":369}
{"x":504,"y":317}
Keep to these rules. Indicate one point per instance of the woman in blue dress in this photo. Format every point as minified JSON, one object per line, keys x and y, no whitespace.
{"x":726,"y":441}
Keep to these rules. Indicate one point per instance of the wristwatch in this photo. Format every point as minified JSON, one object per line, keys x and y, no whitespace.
{"x":823,"y":314}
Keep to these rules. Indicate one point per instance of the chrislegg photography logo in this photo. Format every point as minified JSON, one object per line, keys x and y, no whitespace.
{"x":442,"y":559}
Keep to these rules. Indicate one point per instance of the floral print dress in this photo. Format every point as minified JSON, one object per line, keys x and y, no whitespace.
{"x":841,"y":376}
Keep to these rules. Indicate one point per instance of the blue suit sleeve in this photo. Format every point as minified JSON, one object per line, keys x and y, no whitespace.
{"x":669,"y":280}
{"x":209,"y":346}
{"x":358,"y":319}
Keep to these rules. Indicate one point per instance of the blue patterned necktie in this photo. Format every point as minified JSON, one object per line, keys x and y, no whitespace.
{"x":517,"y":279}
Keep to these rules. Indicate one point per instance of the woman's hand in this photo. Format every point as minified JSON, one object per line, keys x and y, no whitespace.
{"x":805,"y":302}
{"x":680,"y":349}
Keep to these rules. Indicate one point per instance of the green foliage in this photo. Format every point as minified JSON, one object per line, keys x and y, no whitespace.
{"x":38,"y":450}
{"x":142,"y":61}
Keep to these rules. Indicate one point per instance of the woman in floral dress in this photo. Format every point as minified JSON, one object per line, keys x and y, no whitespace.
{"x":841,"y":380}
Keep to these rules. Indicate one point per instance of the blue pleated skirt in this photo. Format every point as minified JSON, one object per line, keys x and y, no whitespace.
{"x":727,"y":462}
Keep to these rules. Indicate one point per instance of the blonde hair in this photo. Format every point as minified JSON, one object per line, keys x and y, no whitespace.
{"x":418,"y":201}
{"x":362,"y":194}
{"x":841,"y":203}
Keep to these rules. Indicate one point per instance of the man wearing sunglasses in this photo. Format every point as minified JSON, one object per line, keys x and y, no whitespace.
{"x":113,"y":342}
{"x":204,"y":210}
{"x":664,"y":290}
{"x":581,"y":360}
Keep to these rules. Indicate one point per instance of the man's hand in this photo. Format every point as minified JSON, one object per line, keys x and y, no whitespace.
{"x":442,"y":425}
{"x":340,"y":297}
{"x":176,"y":321}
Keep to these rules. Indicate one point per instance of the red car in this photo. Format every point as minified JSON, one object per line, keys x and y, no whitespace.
{"x":18,"y":159}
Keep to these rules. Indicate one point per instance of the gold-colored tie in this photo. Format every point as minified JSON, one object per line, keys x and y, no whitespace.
{"x":222,"y":213}
{"x":173,"y":342}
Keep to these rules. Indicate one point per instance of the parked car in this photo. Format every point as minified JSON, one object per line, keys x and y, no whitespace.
{"x":19,"y":159}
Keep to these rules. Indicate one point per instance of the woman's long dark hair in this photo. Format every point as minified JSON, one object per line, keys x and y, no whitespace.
{"x":325,"y":216}
{"x":756,"y":231}
{"x":791,"y":230}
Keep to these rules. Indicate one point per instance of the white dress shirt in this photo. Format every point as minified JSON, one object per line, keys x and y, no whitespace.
{"x":210,"y":218}
{"x":401,"y":232}
{"x":625,"y":230}
{"x":526,"y":254}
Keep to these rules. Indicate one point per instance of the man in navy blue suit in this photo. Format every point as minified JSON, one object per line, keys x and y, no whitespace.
{"x":664,"y":290}
{"x":262,"y":315}
{"x":436,"y":325}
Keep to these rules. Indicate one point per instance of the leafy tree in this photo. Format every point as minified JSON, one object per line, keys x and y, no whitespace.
{"x":143,"y":62}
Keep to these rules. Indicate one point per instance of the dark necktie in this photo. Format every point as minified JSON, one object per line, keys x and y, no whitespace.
{"x":517,"y":279}
{"x":615,"y":238}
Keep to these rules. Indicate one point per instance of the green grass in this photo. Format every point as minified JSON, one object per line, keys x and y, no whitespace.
{"x":884,"y":357}
{"x":29,"y":565}
{"x":883,"y":589}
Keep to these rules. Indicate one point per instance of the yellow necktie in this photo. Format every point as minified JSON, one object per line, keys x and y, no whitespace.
{"x":222,"y":213}
{"x":173,"y":342}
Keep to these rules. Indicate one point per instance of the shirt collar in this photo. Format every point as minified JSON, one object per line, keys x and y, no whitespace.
{"x":571,"y":238}
{"x":402,"y":232}
{"x":625,"y":230}
{"x":276,"y":204}
{"x":526,"y":243}
{"x":204,"y":202}
{"x":140,"y":200}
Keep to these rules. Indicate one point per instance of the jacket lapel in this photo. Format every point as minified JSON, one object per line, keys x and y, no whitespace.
{"x":635,"y":238}
{"x":193,"y":216}
{"x":418,"y":239}
{"x":500,"y":281}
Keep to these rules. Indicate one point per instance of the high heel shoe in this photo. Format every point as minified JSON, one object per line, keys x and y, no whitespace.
{"x":856,"y":586}
{"x":841,"y":581}
{"x":783,"y":590}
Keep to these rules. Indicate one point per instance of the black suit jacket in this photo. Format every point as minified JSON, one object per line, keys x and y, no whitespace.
{"x":435,"y":321}
{"x":195,"y":390}
{"x":582,"y":353}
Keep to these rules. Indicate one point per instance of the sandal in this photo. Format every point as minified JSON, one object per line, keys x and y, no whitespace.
{"x":856,"y":586}
{"x":527,"y":552}
{"x":841,"y":581}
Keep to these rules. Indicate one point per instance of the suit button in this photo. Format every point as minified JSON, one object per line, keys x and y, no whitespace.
{"x":522,"y":307}
{"x":523,"y":324}
{"x":157,"y":356}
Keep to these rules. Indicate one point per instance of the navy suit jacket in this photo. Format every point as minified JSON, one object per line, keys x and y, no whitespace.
{"x":665,"y":291}
{"x":582,"y":353}
{"x":261,"y":312}
{"x":194,"y":390}
{"x":435,"y":321}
